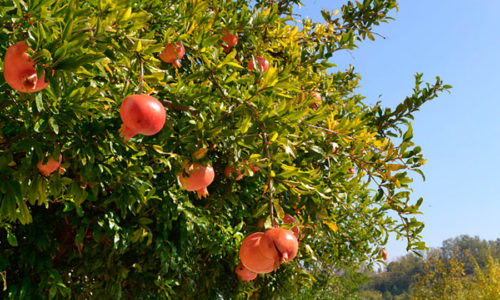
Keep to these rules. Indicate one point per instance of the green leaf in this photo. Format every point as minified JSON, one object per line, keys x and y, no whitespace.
{"x":279,"y":210}
{"x":408,"y":134}
{"x":11,"y":239}
{"x":39,"y":102}
{"x":73,"y":63}
{"x":53,"y":125}
{"x":68,"y":30}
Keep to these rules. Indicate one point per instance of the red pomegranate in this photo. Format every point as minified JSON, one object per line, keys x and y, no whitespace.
{"x":262,"y":63}
{"x":289,"y":219}
{"x":335,"y":147}
{"x":251,"y":257}
{"x":316,"y":96}
{"x":198,"y":178}
{"x":50,"y":166}
{"x":245,"y":274}
{"x":229,"y":39}
{"x":384,"y":254}
{"x":279,"y":244}
{"x":173,"y":54}
{"x":228,"y":170}
{"x":19,"y":70}
{"x":141,"y":114}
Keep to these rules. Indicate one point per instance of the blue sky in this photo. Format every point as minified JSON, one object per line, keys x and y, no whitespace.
{"x":459,"y":41}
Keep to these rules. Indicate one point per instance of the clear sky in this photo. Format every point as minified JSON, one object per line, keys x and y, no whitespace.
{"x":459,"y":132}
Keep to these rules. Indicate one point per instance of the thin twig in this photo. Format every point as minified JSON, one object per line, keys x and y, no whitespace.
{"x":170,"y":104}
{"x":270,"y":179}
{"x":124,"y":87}
{"x":141,"y":77}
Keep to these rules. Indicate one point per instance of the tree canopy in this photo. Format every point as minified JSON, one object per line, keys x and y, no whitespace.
{"x":115,"y":222}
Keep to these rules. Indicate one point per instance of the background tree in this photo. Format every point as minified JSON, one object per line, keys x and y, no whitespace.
{"x":463,"y":247}
{"x":441,"y":280}
{"x":114,"y":222}
{"x":447,"y":279}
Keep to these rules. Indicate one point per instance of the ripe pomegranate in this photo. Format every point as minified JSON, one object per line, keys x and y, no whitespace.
{"x":316,"y":96}
{"x":19,"y":70}
{"x":198,"y":178}
{"x":228,"y":170}
{"x":50,"y":166}
{"x":279,"y":244}
{"x":245,"y":274}
{"x":252,"y":258}
{"x":141,"y":114}
{"x":289,"y":219}
{"x":173,"y":53}
{"x":351,"y":170}
{"x":229,"y":39}
{"x":335,"y":148}
{"x":262,"y":63}
{"x":384,"y":254}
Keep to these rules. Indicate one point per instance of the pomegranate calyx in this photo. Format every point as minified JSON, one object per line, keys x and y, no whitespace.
{"x":202,"y":193}
{"x":284,"y":257}
{"x":126,"y":132}
{"x":29,"y":81}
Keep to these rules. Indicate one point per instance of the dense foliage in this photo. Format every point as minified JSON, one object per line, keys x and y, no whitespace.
{"x":116,"y":223}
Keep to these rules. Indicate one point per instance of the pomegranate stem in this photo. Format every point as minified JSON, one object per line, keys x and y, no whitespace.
{"x":141,"y":77}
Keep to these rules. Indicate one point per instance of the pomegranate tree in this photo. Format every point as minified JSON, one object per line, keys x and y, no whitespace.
{"x":173,"y":53}
{"x":252,"y":258}
{"x":142,"y":114}
{"x":279,"y":244}
{"x":262,"y":64}
{"x":197,"y":178}
{"x":19,"y":70}
{"x":50,"y":166}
